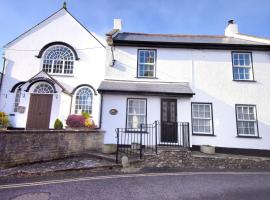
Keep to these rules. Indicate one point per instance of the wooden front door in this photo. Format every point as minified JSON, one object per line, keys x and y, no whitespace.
{"x":39,"y":111}
{"x":169,"y":121}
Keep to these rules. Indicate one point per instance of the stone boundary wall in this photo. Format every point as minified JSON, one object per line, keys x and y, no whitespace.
{"x":187,"y":159}
{"x":21,"y":147}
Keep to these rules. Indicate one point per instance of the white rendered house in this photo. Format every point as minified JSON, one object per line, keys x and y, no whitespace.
{"x":218,"y":84}
{"x":51,"y":71}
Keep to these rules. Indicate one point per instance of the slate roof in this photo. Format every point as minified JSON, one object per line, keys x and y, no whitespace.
{"x":185,"y":41}
{"x":143,"y":87}
{"x":174,"y":38}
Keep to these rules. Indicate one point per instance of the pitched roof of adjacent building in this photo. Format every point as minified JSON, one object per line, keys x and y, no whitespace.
{"x":186,"y":41}
{"x":63,"y":9}
{"x":149,"y":88}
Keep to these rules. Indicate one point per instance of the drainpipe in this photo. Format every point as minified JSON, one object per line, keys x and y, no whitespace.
{"x":2,"y":74}
{"x":70,"y":107}
{"x":112,"y":59}
{"x":100,"y":110}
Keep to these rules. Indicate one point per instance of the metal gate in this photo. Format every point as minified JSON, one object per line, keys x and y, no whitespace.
{"x":134,"y":142}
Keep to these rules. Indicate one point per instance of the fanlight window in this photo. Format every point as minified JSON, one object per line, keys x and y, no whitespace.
{"x":43,"y":88}
{"x":58,"y":59}
{"x":83,"y":102}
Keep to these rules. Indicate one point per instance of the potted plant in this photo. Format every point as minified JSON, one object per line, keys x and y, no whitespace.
{"x":208,"y":149}
{"x":89,"y":122}
{"x":4,"y":121}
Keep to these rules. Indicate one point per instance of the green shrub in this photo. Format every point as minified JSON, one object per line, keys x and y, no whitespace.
{"x":4,"y":121}
{"x":86,"y":115}
{"x":58,"y":124}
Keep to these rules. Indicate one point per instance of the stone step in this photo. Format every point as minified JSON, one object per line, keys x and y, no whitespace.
{"x":108,"y":157}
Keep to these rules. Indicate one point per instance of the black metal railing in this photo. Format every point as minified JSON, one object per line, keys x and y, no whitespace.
{"x":134,"y":142}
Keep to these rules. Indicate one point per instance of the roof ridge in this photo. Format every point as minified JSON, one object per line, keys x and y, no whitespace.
{"x":174,"y":35}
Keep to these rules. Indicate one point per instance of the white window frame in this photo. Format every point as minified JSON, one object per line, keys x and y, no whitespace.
{"x":132,"y":114}
{"x":65,"y":59}
{"x":43,"y":88}
{"x":236,"y":63}
{"x":146,"y":63}
{"x":248,"y":121}
{"x":210,"y":118}
{"x":76,"y":111}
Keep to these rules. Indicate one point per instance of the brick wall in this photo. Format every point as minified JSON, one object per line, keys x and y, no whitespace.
{"x":20,"y":147}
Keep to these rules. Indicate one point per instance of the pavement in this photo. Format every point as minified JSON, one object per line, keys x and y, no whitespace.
{"x":167,"y":185}
{"x":85,"y":161}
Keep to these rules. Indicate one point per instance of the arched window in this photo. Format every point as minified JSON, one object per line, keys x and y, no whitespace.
{"x":83,"y":101}
{"x":58,"y":59}
{"x":17,"y":100}
{"x":43,"y":88}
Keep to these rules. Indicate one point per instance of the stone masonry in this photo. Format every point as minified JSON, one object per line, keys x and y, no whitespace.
{"x":22,"y":147}
{"x":183,"y":158}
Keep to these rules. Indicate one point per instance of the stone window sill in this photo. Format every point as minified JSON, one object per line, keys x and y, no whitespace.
{"x":252,"y":137}
{"x":197,"y":134}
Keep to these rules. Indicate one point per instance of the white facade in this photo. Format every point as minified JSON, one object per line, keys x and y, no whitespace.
{"x":208,"y":72}
{"x":22,"y":64}
{"x":210,"y":75}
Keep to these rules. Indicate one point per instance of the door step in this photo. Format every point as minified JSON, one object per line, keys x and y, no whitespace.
{"x":172,"y":148}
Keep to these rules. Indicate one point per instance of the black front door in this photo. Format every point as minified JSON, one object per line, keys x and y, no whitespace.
{"x":169,"y":121}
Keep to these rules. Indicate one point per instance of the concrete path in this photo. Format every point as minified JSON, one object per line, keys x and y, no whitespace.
{"x":178,"y":185}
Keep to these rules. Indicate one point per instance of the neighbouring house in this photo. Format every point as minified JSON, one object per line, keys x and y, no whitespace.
{"x":51,"y":71}
{"x":218,"y":84}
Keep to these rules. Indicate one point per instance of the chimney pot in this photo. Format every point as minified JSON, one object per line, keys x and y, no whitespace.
{"x":231,"y":21}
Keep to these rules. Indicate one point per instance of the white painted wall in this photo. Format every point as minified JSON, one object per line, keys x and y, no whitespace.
{"x":119,"y":102}
{"x":22,"y":65}
{"x":210,"y":75}
{"x":172,"y":65}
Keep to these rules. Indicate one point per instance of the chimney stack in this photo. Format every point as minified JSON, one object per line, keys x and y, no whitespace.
{"x":117,"y":24}
{"x":231,"y":29}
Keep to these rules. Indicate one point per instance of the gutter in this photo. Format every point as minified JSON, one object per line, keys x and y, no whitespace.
{"x":185,"y":45}
{"x":145,"y":93}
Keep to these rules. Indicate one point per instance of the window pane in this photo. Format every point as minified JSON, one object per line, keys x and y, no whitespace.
{"x":146,"y":66}
{"x":136,"y":113}
{"x":58,"y":59}
{"x":83,"y":101}
{"x":201,"y":118}
{"x":246,"y":120}
{"x":242,"y":66}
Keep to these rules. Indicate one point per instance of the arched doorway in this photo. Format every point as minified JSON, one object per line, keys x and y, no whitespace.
{"x":40,"y":105}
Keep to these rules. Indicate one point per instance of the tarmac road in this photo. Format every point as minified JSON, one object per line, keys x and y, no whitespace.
{"x":176,"y":185}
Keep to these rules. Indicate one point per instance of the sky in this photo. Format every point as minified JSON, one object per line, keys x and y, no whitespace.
{"x":148,"y":16}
